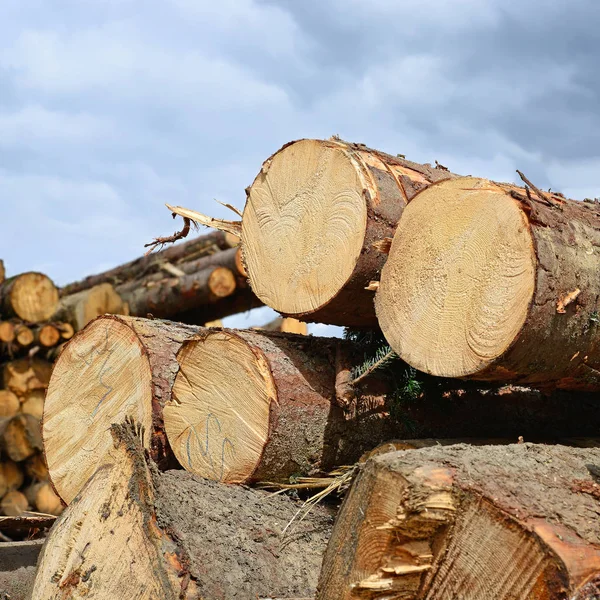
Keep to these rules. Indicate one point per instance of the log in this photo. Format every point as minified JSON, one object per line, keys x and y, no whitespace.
{"x":500,"y":522}
{"x":312,"y":217}
{"x":257,"y":406}
{"x":13,"y":504}
{"x":285,"y":325}
{"x":82,"y":307}
{"x":9,"y":404}
{"x":31,"y":297}
{"x":178,"y":537}
{"x":36,"y":468}
{"x":47,"y":335}
{"x":13,"y":474}
{"x":170,"y":296}
{"x":195,"y":248}
{"x":116,"y":367}
{"x":7,"y":332}
{"x":2,"y":271}
{"x":21,"y":437}
{"x":243,"y":300}
{"x":24,"y":335}
{"x":26,"y":374}
{"x":67,"y":331}
{"x":33,"y":404}
{"x":46,"y":501}
{"x":491,"y":282}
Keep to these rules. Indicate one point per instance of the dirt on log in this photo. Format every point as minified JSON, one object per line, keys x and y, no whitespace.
{"x":151,"y":263}
{"x":177,"y":537}
{"x":467,"y":522}
{"x":116,"y":367}
{"x":493,"y":282}
{"x":314,"y":221}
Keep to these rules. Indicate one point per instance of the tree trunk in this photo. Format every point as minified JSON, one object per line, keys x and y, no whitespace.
{"x":257,"y":406}
{"x":116,"y":367}
{"x":136,"y":269}
{"x":82,"y":307}
{"x":313,"y":218}
{"x":30,"y":296}
{"x":506,"y":522}
{"x":178,"y":537}
{"x":168,"y":297}
{"x":490,"y":282}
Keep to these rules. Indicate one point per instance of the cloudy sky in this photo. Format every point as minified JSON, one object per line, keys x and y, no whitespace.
{"x":110,"y":108}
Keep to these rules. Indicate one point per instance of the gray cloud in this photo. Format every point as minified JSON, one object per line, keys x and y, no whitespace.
{"x":109,"y":108}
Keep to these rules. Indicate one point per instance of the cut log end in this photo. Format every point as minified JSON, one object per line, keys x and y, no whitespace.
{"x":218,"y":420}
{"x":98,"y":381}
{"x":457,"y":286}
{"x":465,"y":523}
{"x":9,"y":404}
{"x":33,"y":297}
{"x":319,"y":186}
{"x":7,"y":332}
{"x":221,"y":282}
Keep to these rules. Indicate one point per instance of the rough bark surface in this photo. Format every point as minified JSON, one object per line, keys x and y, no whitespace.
{"x":151,"y":263}
{"x":566,"y":238}
{"x":463,"y":522}
{"x":187,"y":538}
{"x":389,"y":182}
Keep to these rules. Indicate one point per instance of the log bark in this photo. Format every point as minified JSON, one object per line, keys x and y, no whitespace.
{"x":31,"y":297}
{"x":138,"y":268}
{"x":178,"y":537}
{"x":167,"y":297}
{"x":312,"y":217}
{"x":498,"y":284}
{"x":461,"y":522}
{"x":80,"y":308}
{"x":242,"y":301}
{"x":116,"y":367}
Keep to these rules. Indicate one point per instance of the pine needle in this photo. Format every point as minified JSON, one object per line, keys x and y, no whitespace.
{"x":382,"y":359}
{"x":338,"y":481}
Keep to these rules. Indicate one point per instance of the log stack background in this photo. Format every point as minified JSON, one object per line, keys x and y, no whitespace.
{"x":154,"y":407}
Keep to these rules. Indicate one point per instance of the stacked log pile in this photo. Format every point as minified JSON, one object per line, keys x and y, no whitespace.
{"x":487,"y":296}
{"x":28,"y":341}
{"x":197,"y":281}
